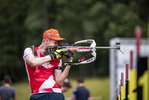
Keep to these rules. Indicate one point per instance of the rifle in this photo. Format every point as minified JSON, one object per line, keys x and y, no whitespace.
{"x":91,"y":49}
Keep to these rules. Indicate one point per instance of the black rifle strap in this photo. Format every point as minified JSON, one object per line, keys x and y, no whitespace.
{"x":32,"y":47}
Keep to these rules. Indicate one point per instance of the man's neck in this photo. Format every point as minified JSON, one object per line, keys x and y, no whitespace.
{"x":41,"y":46}
{"x":6,"y":84}
{"x":81,"y":84}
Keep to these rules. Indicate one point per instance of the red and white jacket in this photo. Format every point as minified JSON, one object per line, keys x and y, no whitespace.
{"x":41,"y":78}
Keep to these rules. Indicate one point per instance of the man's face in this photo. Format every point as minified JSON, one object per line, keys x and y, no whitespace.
{"x":65,"y":89}
{"x":51,"y":45}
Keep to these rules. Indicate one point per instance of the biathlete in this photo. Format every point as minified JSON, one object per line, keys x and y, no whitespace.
{"x":44,"y":73}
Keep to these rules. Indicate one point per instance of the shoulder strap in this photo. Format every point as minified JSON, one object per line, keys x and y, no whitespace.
{"x":32,"y":47}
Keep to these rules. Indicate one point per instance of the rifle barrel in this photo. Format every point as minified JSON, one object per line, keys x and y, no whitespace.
{"x":97,"y":47}
{"x":107,"y":47}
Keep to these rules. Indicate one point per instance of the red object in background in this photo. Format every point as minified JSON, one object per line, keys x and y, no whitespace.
{"x":131,"y":60}
{"x":138,"y":39}
{"x":127,"y":72}
{"x":122,"y":79}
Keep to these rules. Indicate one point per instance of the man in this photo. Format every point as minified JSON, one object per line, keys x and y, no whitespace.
{"x":6,"y":91}
{"x":80,"y":93}
{"x":44,"y":71}
{"x":66,"y":85}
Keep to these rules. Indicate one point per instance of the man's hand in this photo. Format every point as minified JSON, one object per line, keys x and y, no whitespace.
{"x":57,"y":54}
{"x":69,"y":57}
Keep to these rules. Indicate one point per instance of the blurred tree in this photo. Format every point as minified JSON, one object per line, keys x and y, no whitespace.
{"x":77,"y":20}
{"x":12,"y":37}
{"x":22,"y":24}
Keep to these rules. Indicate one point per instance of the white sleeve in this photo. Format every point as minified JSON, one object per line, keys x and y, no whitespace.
{"x":27,"y":51}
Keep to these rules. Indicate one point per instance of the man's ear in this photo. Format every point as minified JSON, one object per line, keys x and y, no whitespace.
{"x":46,"y":40}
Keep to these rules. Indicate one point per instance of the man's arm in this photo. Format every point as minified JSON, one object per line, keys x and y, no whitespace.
{"x":32,"y":61}
{"x":61,"y":76}
{"x":14,"y":94}
{"x":72,"y":97}
{"x":14,"y":98}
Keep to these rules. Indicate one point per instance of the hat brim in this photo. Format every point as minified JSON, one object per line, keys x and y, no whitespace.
{"x":58,"y":39}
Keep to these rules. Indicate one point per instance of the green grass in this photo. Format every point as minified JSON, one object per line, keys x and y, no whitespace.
{"x":22,"y":90}
{"x":96,"y":86}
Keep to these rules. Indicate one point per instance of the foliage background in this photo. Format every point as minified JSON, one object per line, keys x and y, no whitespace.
{"x":23,"y":22}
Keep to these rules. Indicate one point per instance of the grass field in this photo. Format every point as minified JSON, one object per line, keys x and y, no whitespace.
{"x":97,"y":86}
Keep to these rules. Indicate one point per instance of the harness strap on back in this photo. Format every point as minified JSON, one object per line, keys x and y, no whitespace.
{"x":33,"y":50}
